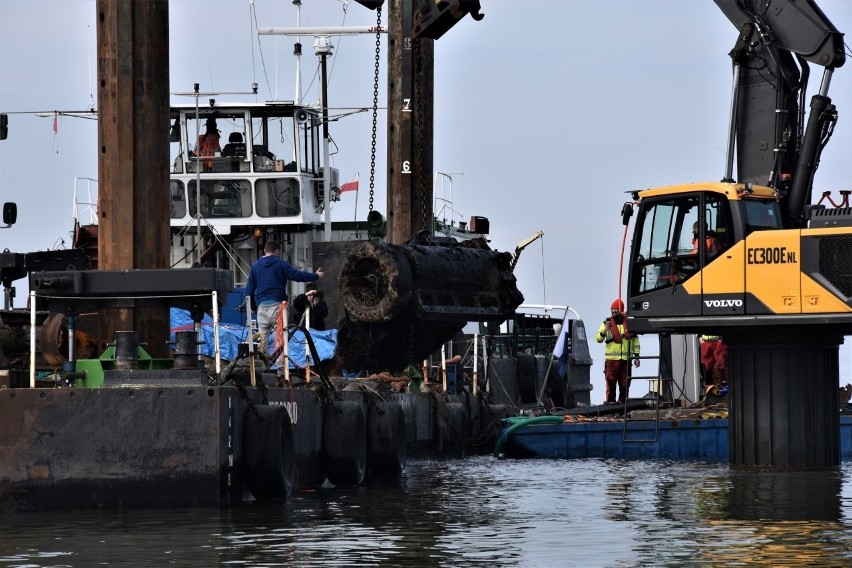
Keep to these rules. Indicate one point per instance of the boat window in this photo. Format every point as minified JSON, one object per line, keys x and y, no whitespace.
{"x":222,"y":198}
{"x":311,"y":136}
{"x":272,"y":143}
{"x":278,"y":197}
{"x":217,"y":142}
{"x":175,"y":144}
{"x":178,"y":199}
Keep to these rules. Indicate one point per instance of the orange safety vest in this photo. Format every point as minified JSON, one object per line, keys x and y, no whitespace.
{"x":208,"y":145}
{"x":711,"y":245}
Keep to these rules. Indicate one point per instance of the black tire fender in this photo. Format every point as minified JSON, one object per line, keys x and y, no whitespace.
{"x":456,"y":436}
{"x":344,"y":442}
{"x":269,"y":453}
{"x":387,"y":435}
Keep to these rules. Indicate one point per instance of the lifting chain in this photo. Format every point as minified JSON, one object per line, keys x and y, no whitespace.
{"x":375,"y":106}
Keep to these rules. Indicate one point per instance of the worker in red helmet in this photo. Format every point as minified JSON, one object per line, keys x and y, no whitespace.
{"x":621,"y":346}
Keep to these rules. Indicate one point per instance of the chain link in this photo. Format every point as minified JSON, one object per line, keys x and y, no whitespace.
{"x":375,"y":107}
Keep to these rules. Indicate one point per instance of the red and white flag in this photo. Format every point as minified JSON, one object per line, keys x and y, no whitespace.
{"x":350,"y":185}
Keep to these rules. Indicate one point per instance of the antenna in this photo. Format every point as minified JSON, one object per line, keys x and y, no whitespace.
{"x":323,"y":48}
{"x":91,"y":81}
{"x":447,"y":204}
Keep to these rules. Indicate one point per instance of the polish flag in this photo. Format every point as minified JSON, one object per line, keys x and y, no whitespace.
{"x":350,"y":185}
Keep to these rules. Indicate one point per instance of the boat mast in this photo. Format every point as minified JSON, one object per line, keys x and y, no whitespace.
{"x":323,"y":48}
{"x":297,"y":51}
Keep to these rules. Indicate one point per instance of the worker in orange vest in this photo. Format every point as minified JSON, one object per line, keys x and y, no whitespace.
{"x":208,"y":144}
{"x":712,"y":246}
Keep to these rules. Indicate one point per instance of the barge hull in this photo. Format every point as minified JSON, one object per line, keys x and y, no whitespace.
{"x":681,"y":440}
{"x":140,"y":445}
{"x":117,"y":447}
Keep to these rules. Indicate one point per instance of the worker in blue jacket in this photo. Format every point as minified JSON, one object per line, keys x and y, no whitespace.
{"x":267,"y":288}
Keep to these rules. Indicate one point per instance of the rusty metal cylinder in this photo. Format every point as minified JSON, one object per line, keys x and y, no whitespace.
{"x":404,"y":301}
{"x":126,"y":350}
{"x":446,"y":283}
{"x":186,"y":350}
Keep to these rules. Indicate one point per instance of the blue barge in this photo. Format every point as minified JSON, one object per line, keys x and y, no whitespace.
{"x":690,"y":439}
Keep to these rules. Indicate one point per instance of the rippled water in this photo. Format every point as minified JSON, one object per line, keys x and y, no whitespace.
{"x":482,"y":512}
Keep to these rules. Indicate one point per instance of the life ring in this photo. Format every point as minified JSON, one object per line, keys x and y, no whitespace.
{"x":387,"y":434}
{"x":344,"y":442}
{"x":268,"y":452}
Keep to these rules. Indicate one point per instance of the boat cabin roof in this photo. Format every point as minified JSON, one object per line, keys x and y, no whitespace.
{"x":268,"y":109}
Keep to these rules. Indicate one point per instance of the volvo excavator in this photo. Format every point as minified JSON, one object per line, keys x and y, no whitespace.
{"x":776,"y":258}
{"x":752,"y":257}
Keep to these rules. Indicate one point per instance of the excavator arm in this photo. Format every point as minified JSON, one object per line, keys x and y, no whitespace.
{"x":777,"y":41}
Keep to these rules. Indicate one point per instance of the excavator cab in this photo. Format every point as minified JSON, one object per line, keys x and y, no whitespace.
{"x":758,"y":258}
{"x":681,"y":263}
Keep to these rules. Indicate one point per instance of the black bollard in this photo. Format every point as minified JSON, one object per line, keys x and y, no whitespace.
{"x":126,"y":350}
{"x":186,"y":350}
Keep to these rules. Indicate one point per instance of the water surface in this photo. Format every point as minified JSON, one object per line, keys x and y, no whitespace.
{"x":478,"y":512}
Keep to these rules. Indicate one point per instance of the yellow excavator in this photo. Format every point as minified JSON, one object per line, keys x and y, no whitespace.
{"x":753,"y":258}
{"x":754,"y":250}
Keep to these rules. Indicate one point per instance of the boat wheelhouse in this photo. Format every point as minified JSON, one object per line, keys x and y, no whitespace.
{"x":243,"y":174}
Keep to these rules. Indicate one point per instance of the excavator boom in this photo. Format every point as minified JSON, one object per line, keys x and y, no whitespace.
{"x":797,"y":26}
{"x":771,"y":57}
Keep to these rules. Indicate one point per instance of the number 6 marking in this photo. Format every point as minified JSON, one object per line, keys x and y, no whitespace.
{"x":406,"y":167}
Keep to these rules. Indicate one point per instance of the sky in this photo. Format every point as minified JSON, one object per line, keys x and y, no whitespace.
{"x":547,"y":113}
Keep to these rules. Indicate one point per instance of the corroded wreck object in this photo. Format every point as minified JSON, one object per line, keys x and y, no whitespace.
{"x":403,"y":301}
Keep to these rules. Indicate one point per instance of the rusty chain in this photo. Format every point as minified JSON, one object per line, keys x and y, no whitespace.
{"x":375,"y":107}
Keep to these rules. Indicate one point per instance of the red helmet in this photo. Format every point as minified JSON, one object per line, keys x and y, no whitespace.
{"x":617,"y":305}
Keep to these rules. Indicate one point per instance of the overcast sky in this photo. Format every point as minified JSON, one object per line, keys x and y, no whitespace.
{"x":553,"y":109}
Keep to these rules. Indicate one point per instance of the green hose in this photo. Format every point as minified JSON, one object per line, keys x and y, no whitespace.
{"x":519,"y":422}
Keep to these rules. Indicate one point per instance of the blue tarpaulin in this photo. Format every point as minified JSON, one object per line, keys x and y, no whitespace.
{"x":230,"y":336}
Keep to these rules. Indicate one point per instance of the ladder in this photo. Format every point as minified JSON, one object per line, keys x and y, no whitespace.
{"x":637,"y":434}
